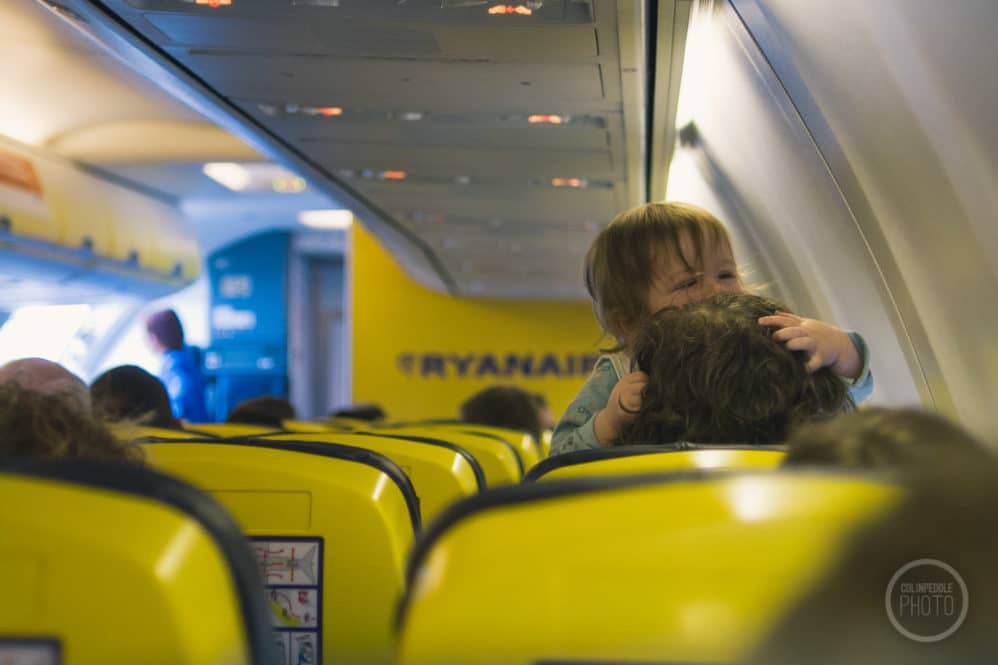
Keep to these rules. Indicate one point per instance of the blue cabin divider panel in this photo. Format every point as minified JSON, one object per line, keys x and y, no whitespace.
{"x":249,"y":322}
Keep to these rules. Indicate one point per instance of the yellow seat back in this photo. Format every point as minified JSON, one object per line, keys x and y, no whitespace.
{"x":626,"y":460}
{"x":331,"y":526}
{"x":229,"y":430}
{"x":528,"y":449}
{"x":120,"y":565}
{"x":311,"y":426}
{"x":693,"y":569}
{"x":498,"y":458}
{"x":441,"y":473}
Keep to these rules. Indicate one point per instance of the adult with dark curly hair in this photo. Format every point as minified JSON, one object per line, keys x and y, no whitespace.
{"x":39,"y":425}
{"x":715,"y":375}
{"x":878,"y":438}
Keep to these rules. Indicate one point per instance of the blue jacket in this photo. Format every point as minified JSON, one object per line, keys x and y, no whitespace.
{"x":575,"y":430}
{"x":181,"y":374}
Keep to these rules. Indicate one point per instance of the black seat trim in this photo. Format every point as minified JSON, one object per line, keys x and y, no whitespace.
{"x":334,"y":450}
{"x":596,"y":454}
{"x":147,"y":483}
{"x":465,"y":428}
{"x":476,"y":468}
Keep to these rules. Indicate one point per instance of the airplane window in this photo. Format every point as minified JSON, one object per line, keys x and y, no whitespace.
{"x":65,"y":334}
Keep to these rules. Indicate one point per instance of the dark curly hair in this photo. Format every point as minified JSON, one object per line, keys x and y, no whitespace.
{"x":879,"y":438}
{"x":717,"y":376}
{"x":35,"y":425}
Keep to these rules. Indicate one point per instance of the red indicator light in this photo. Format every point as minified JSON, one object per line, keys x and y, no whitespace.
{"x":329,"y":111}
{"x":393,"y":175}
{"x":213,"y":3}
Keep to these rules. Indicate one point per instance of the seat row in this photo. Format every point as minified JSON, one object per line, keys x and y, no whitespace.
{"x":334,"y":518}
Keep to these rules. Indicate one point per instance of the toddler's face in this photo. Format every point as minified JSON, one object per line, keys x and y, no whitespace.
{"x":675,"y":285}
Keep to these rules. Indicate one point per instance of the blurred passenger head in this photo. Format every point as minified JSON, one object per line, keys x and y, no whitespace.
{"x":716,"y":376}
{"x":48,"y":378}
{"x":949,"y":516}
{"x":878,"y":438}
{"x":37,"y":425}
{"x":370,"y":412}
{"x":165,"y":331}
{"x":503,"y":406}
{"x":129,"y":393}
{"x":656,"y":255}
{"x":263,"y":410}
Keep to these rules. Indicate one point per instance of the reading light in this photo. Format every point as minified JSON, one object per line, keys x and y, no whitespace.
{"x":506,"y":10}
{"x":326,"y":219}
{"x":568,"y":182}
{"x":293,"y":185}
{"x":539,"y":118}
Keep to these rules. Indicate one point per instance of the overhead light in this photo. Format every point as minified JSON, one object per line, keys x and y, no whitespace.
{"x":255,"y":177}
{"x":326,"y":111}
{"x":293,"y":185}
{"x":326,"y":219}
{"x":393,"y":175}
{"x":213,"y":3}
{"x":229,"y":174}
{"x":507,"y":10}
{"x":568,"y":182}
{"x":539,"y":118}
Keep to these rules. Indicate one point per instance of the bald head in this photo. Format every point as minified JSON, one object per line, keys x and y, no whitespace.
{"x":46,"y":377}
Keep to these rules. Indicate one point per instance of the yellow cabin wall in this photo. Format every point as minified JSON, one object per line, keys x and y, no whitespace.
{"x":401,"y":329}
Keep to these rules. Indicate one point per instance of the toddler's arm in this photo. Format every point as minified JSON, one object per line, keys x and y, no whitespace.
{"x":846,"y":354}
{"x":583,"y":426}
{"x":575,"y":430}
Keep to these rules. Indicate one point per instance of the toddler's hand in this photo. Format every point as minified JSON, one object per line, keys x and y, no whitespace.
{"x":825,"y":344}
{"x":621,"y":407}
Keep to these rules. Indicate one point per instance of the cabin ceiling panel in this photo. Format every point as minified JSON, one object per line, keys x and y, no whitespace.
{"x":47,"y":69}
{"x":451,"y":131}
{"x":543,"y":248}
{"x":393,"y":84}
{"x":321,"y":35}
{"x":508,"y":204}
{"x":551,"y":13}
{"x":433,"y":161}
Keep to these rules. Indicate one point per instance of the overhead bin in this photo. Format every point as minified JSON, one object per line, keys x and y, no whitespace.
{"x":64,"y":224}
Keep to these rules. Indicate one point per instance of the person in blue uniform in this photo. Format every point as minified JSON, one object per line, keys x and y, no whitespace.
{"x":181,"y":368}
